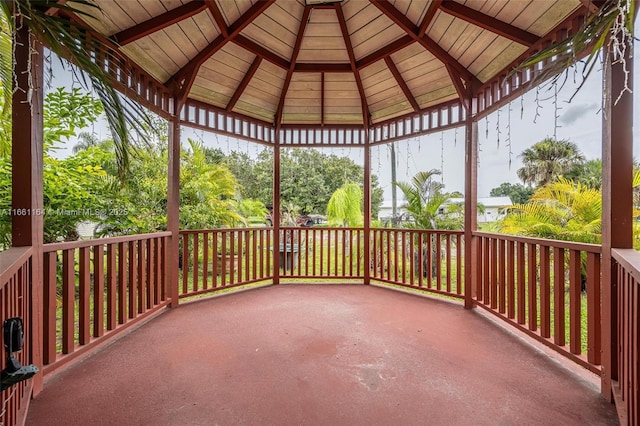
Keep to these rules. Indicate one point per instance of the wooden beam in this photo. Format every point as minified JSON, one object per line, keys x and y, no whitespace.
{"x":159,"y":22}
{"x":412,"y":30}
{"x":352,"y":61}
{"x":217,"y":17}
{"x":244,"y":83}
{"x":292,"y":64}
{"x":460,"y":88}
{"x":428,"y":16}
{"x":184,"y":78}
{"x":470,"y":208}
{"x":323,"y":67}
{"x":173,"y":204}
{"x":403,"y":85}
{"x":384,"y":52}
{"x":54,"y":10}
{"x":489,"y":23}
{"x":258,"y":50}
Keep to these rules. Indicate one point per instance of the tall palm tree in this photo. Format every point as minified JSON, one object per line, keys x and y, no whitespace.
{"x":547,"y":160}
{"x":47,"y":21}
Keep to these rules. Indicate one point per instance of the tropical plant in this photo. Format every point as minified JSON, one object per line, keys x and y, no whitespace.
{"x":547,"y":160}
{"x":562,"y":210}
{"x":517,"y":193}
{"x":344,"y":207}
{"x":425,"y":198}
{"x":48,"y":22}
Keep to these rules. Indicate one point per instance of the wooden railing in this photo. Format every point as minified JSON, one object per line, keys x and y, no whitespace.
{"x":548,"y":289}
{"x":429,"y":260}
{"x":94,"y":289}
{"x":627,"y":358}
{"x":212,"y":260}
{"x":321,"y":253}
{"x":15,"y":301}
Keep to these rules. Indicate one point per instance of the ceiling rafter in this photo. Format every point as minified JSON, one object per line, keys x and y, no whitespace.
{"x":412,"y":30}
{"x":54,"y":10}
{"x":184,"y":78}
{"x":159,"y":22}
{"x":292,"y":65}
{"x":244,"y":83}
{"x":463,"y":92}
{"x":403,"y":85}
{"x":258,"y":50}
{"x":428,"y":17}
{"x":489,"y":23}
{"x":366,"y":115}
{"x":217,"y":16}
{"x":385,"y":51}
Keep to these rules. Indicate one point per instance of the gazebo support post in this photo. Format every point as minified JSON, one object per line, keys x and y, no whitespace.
{"x":367,"y":209}
{"x":275,"y":216}
{"x":617,"y":198}
{"x":470,"y":207}
{"x":27,"y":197}
{"x":173,"y":203}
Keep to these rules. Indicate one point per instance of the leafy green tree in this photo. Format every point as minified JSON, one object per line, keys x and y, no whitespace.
{"x":547,"y":160}
{"x":344,"y":208}
{"x":588,"y":173}
{"x":425,"y":199}
{"x":518,"y":193}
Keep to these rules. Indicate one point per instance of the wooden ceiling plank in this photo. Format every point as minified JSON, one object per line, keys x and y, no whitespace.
{"x":159,"y":22}
{"x":385,"y":51}
{"x":489,"y":23}
{"x":184,"y":78}
{"x":244,"y":83}
{"x":428,"y":17}
{"x":412,"y":30}
{"x":366,"y":115}
{"x":403,"y":85}
{"x":292,"y":65}
{"x":217,"y":17}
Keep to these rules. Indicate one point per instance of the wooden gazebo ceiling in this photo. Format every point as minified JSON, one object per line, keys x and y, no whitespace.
{"x":352,"y":62}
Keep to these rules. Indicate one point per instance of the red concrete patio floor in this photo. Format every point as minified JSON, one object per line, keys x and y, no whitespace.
{"x":320,"y":355}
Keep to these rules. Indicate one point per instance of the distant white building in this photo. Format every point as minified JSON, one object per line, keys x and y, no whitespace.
{"x":495,"y":208}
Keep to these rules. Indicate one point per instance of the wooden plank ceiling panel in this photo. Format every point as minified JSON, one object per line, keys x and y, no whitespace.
{"x":505,"y":57}
{"x":438,"y":96}
{"x":142,"y":51}
{"x":205,"y":26}
{"x":232,"y":9}
{"x":416,"y":10}
{"x":414,"y":62}
{"x":555,"y":12}
{"x":303,"y":102}
{"x":263,"y":91}
{"x":402,"y":107}
{"x":207,"y":95}
{"x":342,"y":100}
{"x":269,"y":31}
{"x":323,"y":41}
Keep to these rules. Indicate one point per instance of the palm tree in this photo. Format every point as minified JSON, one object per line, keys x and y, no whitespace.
{"x":86,"y":140}
{"x":425,"y":199}
{"x":547,"y":160}
{"x":344,"y":206}
{"x":47,"y":22}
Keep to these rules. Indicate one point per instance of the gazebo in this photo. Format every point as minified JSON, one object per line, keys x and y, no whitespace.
{"x":305,"y":74}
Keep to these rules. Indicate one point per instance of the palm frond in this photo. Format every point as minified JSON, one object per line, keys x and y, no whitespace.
{"x":65,"y":38}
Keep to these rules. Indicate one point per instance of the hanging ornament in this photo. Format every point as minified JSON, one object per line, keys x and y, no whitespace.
{"x":486,"y":127}
{"x":538,"y":105}
{"x":521,"y":107}
{"x":407,"y":154}
{"x":455,"y":137}
{"x":442,"y":157}
{"x":556,"y":110}
{"x":509,"y":133}
{"x":498,"y":129}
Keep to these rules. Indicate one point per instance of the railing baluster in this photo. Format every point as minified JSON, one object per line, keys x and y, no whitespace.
{"x":142,"y":276}
{"x":522,"y":306}
{"x":545,"y":292}
{"x":84,"y":320}
{"x":502,"y":284}
{"x":205,"y":260}
{"x":511,"y":280}
{"x":493,"y":273}
{"x":593,"y":309}
{"x":448,"y":261}
{"x":195,"y":268}
{"x":133,"y":273}
{"x":68,"y":301}
{"x":185,"y":262}
{"x":50,"y":279}
{"x":122,"y":283}
{"x":532,"y":287}
{"x":559,"y":327}
{"x":575,"y":284}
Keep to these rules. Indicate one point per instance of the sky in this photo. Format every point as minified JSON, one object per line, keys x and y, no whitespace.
{"x":502,"y":136}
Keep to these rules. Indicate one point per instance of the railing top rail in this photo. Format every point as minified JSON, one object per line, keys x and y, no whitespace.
{"x":11,"y":260}
{"x":419,"y":230}
{"x":629,"y":259}
{"x":200,"y":231}
{"x":67,"y":245}
{"x":589,"y":248}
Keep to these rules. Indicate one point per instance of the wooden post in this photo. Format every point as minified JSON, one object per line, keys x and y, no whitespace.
{"x":470,"y":208}
{"x":617,"y":198}
{"x":173,"y":204}
{"x":26,"y":174}
{"x":367,"y":209}
{"x":276,"y":211}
